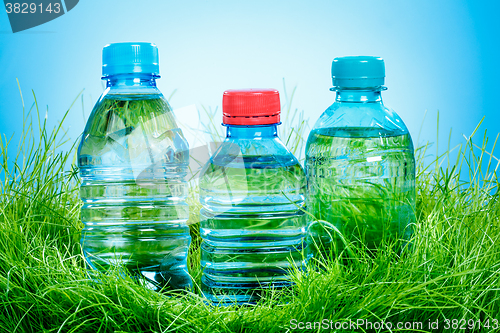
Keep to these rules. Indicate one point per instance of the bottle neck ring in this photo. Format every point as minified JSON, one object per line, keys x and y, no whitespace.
{"x":359,"y":95}
{"x":131,"y":81}
{"x":252,"y":131}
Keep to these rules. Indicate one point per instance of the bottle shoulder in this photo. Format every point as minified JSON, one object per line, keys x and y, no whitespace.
{"x":123,"y":127}
{"x":254,"y":153}
{"x":113,"y":113}
{"x":374,"y":116}
{"x":243,"y":172}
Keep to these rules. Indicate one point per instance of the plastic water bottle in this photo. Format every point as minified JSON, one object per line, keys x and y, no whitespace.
{"x":360,"y":164}
{"x":253,"y":194}
{"x":133,"y":159}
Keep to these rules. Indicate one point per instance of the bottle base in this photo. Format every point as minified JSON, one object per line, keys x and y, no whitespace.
{"x":152,"y":277}
{"x":239,"y":293}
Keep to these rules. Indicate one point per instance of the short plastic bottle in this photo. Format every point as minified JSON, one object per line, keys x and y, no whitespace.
{"x":253,"y":196}
{"x":360,"y":165}
{"x":133,"y":159}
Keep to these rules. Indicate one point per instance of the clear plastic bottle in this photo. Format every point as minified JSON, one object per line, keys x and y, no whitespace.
{"x":360,"y":164}
{"x":133,"y":159}
{"x":252,"y":191}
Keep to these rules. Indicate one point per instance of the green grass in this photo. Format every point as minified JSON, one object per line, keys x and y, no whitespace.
{"x":452,"y":270}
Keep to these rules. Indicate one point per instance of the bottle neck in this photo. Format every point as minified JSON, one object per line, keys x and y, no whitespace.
{"x":252,"y":131}
{"x":369,"y":95}
{"x":131,"y":82}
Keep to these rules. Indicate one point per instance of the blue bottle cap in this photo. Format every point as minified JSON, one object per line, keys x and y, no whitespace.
{"x":127,"y":58}
{"x":358,"y":72}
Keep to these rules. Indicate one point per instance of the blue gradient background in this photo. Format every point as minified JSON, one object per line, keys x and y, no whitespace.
{"x":440,"y":55}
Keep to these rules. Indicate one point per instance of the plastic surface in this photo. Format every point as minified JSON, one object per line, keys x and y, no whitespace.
{"x":133,"y":159}
{"x":251,"y":107}
{"x":358,"y":72}
{"x":128,"y":58}
{"x":251,"y":226}
{"x":361,"y":175}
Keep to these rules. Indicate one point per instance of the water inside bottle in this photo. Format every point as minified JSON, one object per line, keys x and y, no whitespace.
{"x":361,"y":185}
{"x":252,"y":225}
{"x":133,"y":161}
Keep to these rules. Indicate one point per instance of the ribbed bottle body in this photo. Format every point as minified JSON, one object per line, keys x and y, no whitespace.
{"x":252,"y":221}
{"x":133,"y":161}
{"x":361,"y":184}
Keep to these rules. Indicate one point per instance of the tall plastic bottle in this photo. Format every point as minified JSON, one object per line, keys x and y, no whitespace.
{"x":133,"y":159}
{"x":360,"y":164}
{"x":252,"y":191}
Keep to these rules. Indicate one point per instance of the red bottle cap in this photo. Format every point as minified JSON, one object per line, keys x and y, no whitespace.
{"x":251,"y":107}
